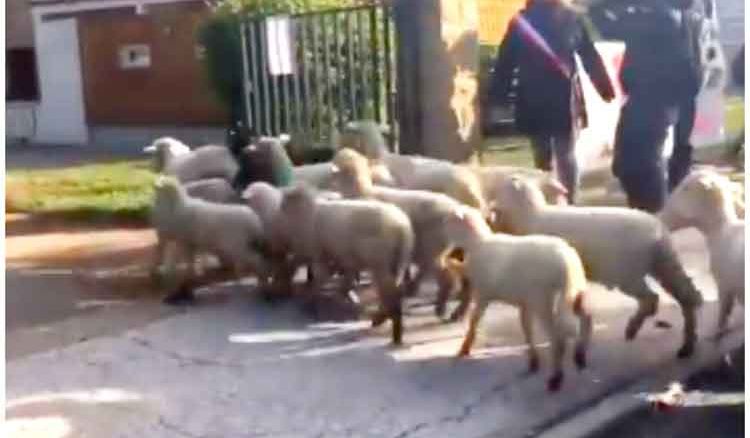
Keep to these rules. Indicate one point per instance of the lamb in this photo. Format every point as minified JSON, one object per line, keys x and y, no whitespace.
{"x":552,"y":291}
{"x":353,"y":235}
{"x":618,"y":246}
{"x":704,"y":200}
{"x":413,"y":172}
{"x":214,"y":190}
{"x":173,"y":157}
{"x":265,"y":159}
{"x":233,"y":232}
{"x":492,"y":178}
{"x":426,"y":210}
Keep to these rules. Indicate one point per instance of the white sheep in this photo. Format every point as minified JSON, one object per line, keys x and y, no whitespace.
{"x":541,"y":275}
{"x":618,"y":246}
{"x":233,"y":232}
{"x":214,"y":190}
{"x":353,"y":235}
{"x":426,"y":210}
{"x":705,"y":200}
{"x":493,"y":178}
{"x":411,"y":171}
{"x":173,"y":157}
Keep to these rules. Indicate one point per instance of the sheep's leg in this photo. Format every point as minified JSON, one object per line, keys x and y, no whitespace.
{"x":669,"y":272}
{"x":648,"y":303}
{"x":464,"y":297}
{"x":320,"y":276}
{"x":390,"y":299}
{"x":184,"y":292}
{"x":347,"y":285}
{"x":585,"y":328}
{"x":479,"y":308}
{"x":411,"y":287}
{"x":557,"y":336}
{"x":446,"y":284}
{"x":726,"y":303}
{"x":528,"y":333}
{"x":159,"y":259}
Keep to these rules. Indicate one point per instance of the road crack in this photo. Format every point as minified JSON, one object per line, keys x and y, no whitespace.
{"x":183,"y":360}
{"x":466,"y":411}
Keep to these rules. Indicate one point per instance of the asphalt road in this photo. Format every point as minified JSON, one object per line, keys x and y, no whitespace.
{"x":235,"y":365}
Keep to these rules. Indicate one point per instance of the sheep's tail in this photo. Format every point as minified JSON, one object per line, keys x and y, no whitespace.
{"x":669,"y":272}
{"x":404,"y":254}
{"x":576,"y":283}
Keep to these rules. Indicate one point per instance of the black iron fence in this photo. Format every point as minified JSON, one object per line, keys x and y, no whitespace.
{"x":306,"y":73}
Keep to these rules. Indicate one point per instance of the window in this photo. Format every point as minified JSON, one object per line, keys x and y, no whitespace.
{"x":135,"y":56}
{"x":21,"y":81}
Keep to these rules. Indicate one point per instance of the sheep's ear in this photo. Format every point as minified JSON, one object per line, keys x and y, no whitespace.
{"x":284,"y":139}
{"x":516,"y":183}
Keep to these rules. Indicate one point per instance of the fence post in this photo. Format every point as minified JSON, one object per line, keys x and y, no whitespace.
{"x":438,"y":52}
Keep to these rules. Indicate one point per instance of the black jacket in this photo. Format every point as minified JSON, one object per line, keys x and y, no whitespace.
{"x":662,"y":60}
{"x":549,"y":93}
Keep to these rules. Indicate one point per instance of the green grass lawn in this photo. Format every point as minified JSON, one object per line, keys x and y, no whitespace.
{"x":121,"y":191}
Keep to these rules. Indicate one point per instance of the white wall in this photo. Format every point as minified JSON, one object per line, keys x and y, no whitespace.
{"x":60,"y":114}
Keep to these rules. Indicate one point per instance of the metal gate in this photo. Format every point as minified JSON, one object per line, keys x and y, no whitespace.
{"x":307,"y":73}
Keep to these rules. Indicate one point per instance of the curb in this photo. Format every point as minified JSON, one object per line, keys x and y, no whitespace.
{"x":623,"y":402}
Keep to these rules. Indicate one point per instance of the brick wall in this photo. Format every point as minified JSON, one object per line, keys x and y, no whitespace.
{"x":172,"y":91}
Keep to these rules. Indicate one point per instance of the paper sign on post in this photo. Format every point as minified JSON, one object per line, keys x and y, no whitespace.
{"x":280,"y":46}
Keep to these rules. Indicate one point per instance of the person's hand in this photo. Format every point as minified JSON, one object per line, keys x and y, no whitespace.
{"x":608,"y":96}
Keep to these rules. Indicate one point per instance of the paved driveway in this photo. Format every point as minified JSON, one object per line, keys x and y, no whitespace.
{"x":236,"y":366}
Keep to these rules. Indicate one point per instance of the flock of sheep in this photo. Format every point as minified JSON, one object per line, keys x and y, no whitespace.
{"x":486,"y":234}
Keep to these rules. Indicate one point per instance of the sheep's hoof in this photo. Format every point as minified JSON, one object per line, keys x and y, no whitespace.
{"x":555,"y":382}
{"x":182,"y":296}
{"x":457,"y":315}
{"x":440,"y":310}
{"x":463,"y":352}
{"x":378,"y":319}
{"x":686,"y":351}
{"x":533,"y":365}
{"x":580,"y":358}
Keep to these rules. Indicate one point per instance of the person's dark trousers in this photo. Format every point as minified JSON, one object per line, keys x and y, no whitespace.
{"x":639,"y":145}
{"x":562,"y":147}
{"x":682,"y":154}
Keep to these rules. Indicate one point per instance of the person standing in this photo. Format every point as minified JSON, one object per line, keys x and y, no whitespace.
{"x":541,"y":42}
{"x":657,"y":76}
{"x":691,"y":25}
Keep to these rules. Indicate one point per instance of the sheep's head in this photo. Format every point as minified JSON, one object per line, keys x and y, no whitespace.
{"x":366,"y":137}
{"x":699,"y":199}
{"x":465,"y":224}
{"x":298,"y":202}
{"x":514,"y":201}
{"x":163,"y":149}
{"x":351,"y":172}
{"x":554,"y":192}
{"x":262,"y":197}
